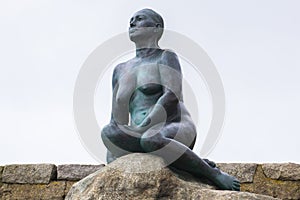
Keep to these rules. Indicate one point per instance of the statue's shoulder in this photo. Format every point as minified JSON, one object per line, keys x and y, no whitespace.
{"x":117,"y":72}
{"x":120,"y":67}
{"x":124,"y":65}
{"x":168,"y":53}
{"x":170,"y":58}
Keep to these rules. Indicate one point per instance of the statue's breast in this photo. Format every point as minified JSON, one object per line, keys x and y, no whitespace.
{"x":147,"y":75}
{"x":151,"y":88}
{"x":126,"y":85}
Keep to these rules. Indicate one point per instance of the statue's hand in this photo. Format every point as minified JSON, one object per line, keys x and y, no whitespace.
{"x":145,"y":122}
{"x":140,"y":128}
{"x":136,"y":129}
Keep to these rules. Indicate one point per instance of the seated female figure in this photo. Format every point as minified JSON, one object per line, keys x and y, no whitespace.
{"x":148,"y":113}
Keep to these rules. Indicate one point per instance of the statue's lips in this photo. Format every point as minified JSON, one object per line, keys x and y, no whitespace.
{"x":142,"y":29}
{"x":132,"y":30}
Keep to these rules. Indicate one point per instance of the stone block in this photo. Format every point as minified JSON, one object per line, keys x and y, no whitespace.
{"x":69,"y":184}
{"x":244,"y":172}
{"x":29,"y":173}
{"x":282,"y":171}
{"x":276,"y":188}
{"x":75,"y":172}
{"x":53,"y":191}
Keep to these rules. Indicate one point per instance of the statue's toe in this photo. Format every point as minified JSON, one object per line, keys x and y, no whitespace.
{"x":236,"y":185}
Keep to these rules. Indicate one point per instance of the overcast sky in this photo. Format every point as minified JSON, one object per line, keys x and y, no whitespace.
{"x":254,"y":44}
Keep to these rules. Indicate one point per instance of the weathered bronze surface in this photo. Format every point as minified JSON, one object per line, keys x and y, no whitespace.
{"x":148,"y":113}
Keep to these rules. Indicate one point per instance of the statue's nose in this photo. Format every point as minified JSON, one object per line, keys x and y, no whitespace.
{"x":132,"y":24}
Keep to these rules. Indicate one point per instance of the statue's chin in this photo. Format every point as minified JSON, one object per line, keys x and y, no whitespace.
{"x":136,"y":38}
{"x":141,"y":35}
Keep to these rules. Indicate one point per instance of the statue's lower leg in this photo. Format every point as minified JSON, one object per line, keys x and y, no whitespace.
{"x":183,"y":158}
{"x":175,"y":153}
{"x":210,"y":163}
{"x":119,"y":143}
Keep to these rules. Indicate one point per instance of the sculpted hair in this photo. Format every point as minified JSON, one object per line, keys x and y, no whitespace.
{"x":156,"y":18}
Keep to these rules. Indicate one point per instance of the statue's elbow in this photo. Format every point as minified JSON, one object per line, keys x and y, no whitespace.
{"x":172,"y":100}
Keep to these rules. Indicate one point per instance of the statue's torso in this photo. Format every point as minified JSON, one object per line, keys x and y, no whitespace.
{"x":140,"y":86}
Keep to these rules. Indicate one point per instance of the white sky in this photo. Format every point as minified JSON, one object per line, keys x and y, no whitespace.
{"x":254,"y":44}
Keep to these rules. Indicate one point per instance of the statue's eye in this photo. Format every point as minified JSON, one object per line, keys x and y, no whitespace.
{"x":139,"y":18}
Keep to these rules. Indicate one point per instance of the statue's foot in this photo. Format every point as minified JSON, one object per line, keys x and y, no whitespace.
{"x":210,"y":163}
{"x":110,"y":157}
{"x":226,"y":182}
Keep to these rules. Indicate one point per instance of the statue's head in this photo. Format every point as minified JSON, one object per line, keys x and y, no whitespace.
{"x":145,"y":25}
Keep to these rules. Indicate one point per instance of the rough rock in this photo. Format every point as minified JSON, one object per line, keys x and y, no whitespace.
{"x":144,"y":176}
{"x":68,"y":186}
{"x":33,"y":173}
{"x":226,"y":195}
{"x":244,"y":172}
{"x":284,"y":171}
{"x":276,"y":188}
{"x":53,"y":191}
{"x":1,"y":170}
{"x":75,"y":172}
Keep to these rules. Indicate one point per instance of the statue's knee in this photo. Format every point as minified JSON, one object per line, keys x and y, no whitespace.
{"x":110,"y":157}
{"x":150,"y":144}
{"x":105,"y":131}
{"x":108,"y":132}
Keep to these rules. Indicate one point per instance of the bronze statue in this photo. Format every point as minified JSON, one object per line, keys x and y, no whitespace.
{"x":148,"y":112}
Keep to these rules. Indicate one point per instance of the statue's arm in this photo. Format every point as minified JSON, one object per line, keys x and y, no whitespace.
{"x":114,"y":91}
{"x":119,"y":115}
{"x":171,"y":79}
{"x":119,"y":112}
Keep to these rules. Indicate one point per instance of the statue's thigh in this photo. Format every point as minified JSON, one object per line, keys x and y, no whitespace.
{"x":183,"y":132}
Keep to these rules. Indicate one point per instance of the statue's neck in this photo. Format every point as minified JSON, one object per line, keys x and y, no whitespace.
{"x":145,"y":52}
{"x":145,"y":48}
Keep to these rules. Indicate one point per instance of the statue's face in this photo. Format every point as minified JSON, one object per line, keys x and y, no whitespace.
{"x":141,"y":26}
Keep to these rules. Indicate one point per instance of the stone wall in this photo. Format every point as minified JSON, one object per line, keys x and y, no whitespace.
{"x":277,"y":180}
{"x":41,"y":181}
{"x":47,"y":181}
